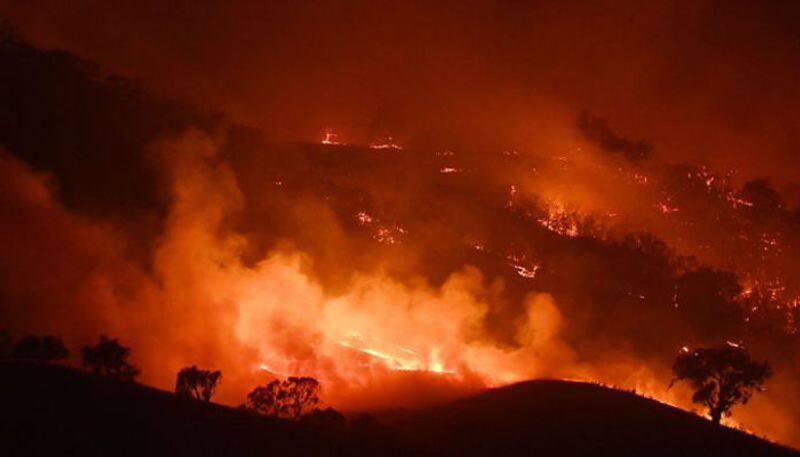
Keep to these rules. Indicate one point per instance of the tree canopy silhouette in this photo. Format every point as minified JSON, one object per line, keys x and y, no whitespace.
{"x":325,"y":419}
{"x":198,"y":384}
{"x":41,"y":349}
{"x":5,"y":345}
{"x":720,"y":377}
{"x":109,"y":358}
{"x":288,"y":399}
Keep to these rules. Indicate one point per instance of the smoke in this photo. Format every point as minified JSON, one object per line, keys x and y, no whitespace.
{"x":377,"y":340}
{"x":705,"y":82}
{"x":201,"y":304}
{"x":356,"y":341}
{"x":496,"y":247}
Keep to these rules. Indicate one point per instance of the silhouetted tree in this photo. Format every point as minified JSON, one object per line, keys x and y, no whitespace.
{"x":325,"y":419}
{"x":762,"y":196}
{"x":366,"y":421}
{"x":596,"y":130}
{"x":288,"y":399}
{"x":111,"y":164}
{"x":720,"y":377}
{"x":5,"y":339}
{"x":707,"y":300}
{"x":198,"y":384}
{"x":366,"y":429}
{"x":109,"y":358}
{"x":41,"y":349}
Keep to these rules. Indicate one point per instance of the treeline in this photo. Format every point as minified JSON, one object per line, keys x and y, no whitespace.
{"x":294,"y":398}
{"x":721,"y":377}
{"x":107,"y":358}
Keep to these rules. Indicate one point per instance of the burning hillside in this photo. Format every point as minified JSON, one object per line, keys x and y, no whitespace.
{"x":489,"y":239}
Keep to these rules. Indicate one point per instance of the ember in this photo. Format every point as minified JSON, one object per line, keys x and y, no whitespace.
{"x":569,"y":191}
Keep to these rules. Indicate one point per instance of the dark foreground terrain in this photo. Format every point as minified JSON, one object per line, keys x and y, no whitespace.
{"x":59,"y":411}
{"x":569,"y":418}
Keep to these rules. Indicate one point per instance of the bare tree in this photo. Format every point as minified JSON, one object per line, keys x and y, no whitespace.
{"x":720,"y":377}
{"x":198,"y":384}
{"x":41,"y":349}
{"x":288,"y":399}
{"x":109,"y":358}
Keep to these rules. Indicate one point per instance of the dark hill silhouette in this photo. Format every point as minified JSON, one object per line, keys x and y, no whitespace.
{"x":570,"y":418}
{"x":52,"y":410}
{"x":94,"y":134}
{"x":55,"y":410}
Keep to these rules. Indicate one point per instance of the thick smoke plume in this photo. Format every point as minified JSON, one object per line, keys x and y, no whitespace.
{"x":381,"y":342}
{"x":558,"y":209}
{"x":378,"y":338}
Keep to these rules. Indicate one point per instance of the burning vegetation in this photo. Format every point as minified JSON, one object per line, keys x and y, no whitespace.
{"x":395,"y":273}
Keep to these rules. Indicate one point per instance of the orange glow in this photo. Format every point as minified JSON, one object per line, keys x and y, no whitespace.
{"x":559,"y":220}
{"x":368,"y":338}
{"x":547,"y":206}
{"x":386,"y":142}
{"x":331,"y":139}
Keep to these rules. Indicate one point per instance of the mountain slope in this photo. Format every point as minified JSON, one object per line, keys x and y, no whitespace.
{"x":60,"y":411}
{"x":566,"y":418}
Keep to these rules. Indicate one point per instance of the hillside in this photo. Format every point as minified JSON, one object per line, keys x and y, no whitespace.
{"x":60,"y":411}
{"x":397,"y":271}
{"x":570,"y":418}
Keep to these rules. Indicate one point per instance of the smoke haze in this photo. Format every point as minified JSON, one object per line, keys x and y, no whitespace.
{"x":577,"y":195}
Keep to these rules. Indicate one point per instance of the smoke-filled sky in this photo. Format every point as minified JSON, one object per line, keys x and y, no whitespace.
{"x":583,"y":189}
{"x":712,"y":81}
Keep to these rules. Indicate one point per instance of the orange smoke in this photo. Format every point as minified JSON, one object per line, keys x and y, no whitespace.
{"x":274,"y":318}
{"x":377,"y":342}
{"x":202,"y":305}
{"x":347,"y":263}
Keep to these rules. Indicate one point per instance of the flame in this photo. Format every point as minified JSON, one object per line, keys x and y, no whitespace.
{"x":369,"y":337}
{"x":523,"y":268}
{"x":396,"y":357}
{"x":330,"y":138}
{"x":665,"y":208}
{"x":559,"y":220}
{"x":385,"y":234}
{"x":386,"y":142}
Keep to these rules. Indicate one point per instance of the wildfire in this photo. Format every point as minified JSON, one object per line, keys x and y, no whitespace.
{"x":525,"y":269}
{"x":386,"y":142}
{"x":737,"y":202}
{"x":395,"y":357}
{"x":640,"y":179}
{"x":364,"y":218}
{"x":560,"y":221}
{"x":330,"y":138}
{"x":384,"y":234}
{"x":401,"y":258}
{"x":666,"y":208}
